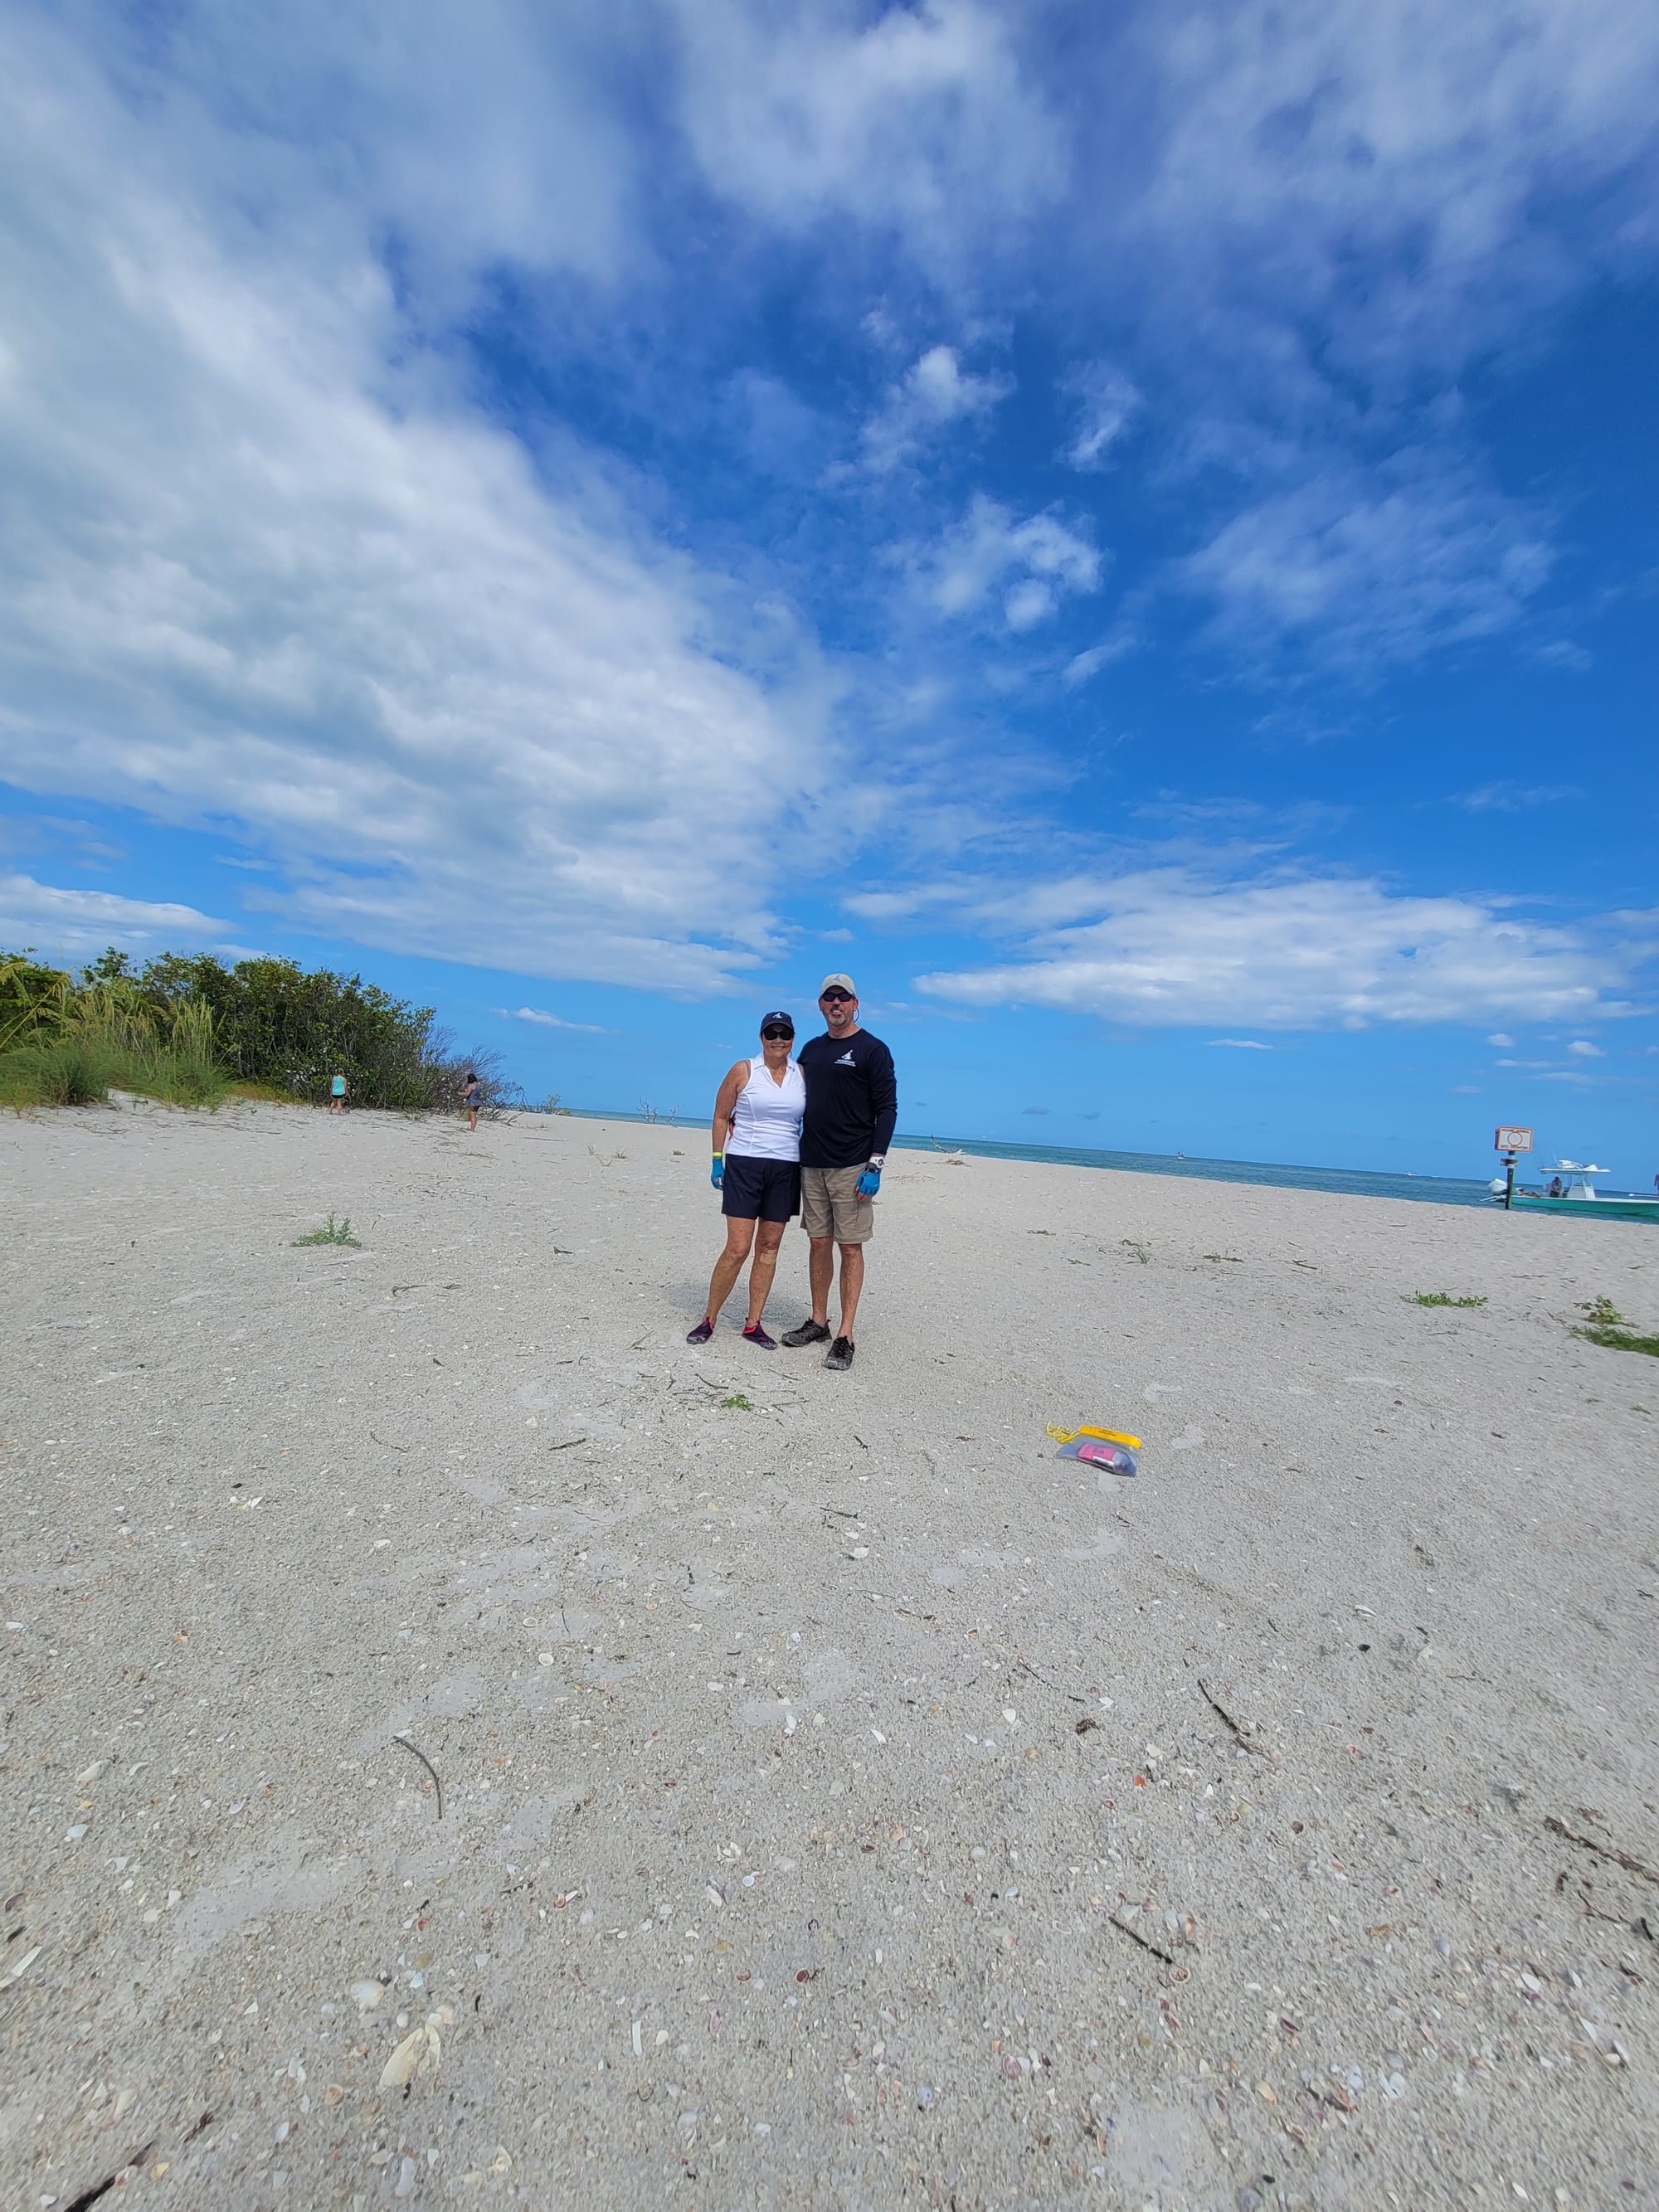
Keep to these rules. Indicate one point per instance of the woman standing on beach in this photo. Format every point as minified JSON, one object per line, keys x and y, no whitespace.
{"x":757,"y":1170}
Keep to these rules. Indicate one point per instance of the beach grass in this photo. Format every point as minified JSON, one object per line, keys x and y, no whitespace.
{"x":1440,"y":1298}
{"x":1605,"y":1325}
{"x":332,"y":1232}
{"x":103,"y":1045}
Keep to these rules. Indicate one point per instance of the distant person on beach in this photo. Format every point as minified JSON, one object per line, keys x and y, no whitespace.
{"x":338,"y":1095}
{"x":852,"y":1105}
{"x":757,"y":1171}
{"x":1554,"y":1190}
{"x":472,"y":1098}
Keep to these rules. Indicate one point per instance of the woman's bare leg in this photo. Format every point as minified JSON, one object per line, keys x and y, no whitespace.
{"x":739,"y":1236}
{"x":765,"y":1267}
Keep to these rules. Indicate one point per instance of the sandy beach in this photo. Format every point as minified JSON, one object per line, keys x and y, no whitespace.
{"x":844,"y":1801}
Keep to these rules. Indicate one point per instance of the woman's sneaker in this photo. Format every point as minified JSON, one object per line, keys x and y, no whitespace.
{"x":754,"y":1333}
{"x":702,"y":1332}
{"x":810,"y":1332}
{"x":841,"y":1354}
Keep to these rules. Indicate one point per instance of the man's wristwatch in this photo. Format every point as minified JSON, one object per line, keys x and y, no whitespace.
{"x":877,"y":1160}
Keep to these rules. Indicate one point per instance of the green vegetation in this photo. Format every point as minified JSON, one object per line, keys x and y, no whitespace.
{"x":1136,"y":1250}
{"x":64,"y":1043}
{"x":1439,"y":1298}
{"x":1606,"y":1326}
{"x":737,"y":1402}
{"x":189,"y":1029}
{"x":332,"y":1232}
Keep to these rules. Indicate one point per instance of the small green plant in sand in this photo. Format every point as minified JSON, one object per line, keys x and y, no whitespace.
{"x":1439,"y":1298}
{"x":332,"y":1232}
{"x":1606,"y":1325}
{"x":737,"y":1402}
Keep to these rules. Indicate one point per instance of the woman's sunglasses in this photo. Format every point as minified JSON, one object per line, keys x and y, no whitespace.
{"x":774,"y":1035}
{"x":834,"y":998}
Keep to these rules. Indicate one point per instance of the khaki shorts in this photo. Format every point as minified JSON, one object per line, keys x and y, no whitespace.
{"x":830,"y":1205}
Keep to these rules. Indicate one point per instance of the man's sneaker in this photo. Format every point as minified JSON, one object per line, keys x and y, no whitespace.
{"x":810,"y":1332}
{"x":839,"y":1354}
{"x":702,"y":1332}
{"x":754,"y":1333}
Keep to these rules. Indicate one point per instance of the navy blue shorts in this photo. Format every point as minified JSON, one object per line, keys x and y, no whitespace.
{"x":760,"y":1190}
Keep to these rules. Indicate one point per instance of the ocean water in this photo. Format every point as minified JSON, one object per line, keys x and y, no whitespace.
{"x":1353,"y":1182}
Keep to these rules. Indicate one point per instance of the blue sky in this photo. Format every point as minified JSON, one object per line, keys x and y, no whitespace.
{"x":1136,"y":537}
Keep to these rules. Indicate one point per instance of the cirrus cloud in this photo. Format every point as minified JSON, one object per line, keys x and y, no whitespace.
{"x":1167,"y":945}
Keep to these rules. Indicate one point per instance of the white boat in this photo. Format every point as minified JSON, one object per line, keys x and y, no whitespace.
{"x":1573,"y":1190}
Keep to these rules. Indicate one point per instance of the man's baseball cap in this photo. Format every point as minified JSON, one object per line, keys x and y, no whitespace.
{"x":838,"y":982}
{"x":779,"y":1021}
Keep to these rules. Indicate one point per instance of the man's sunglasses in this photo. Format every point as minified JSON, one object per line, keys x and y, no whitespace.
{"x":834,"y":998}
{"x":775,"y":1033}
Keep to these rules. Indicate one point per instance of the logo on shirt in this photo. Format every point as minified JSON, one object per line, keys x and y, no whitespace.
{"x":846,"y":1060}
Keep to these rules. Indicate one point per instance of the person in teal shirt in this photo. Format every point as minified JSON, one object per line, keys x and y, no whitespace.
{"x":338,"y":1095}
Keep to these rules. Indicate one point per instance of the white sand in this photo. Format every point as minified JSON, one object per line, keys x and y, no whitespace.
{"x":773,"y":1870}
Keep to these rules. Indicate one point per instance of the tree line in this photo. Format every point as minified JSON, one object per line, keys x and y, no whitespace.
{"x":190,"y":1027}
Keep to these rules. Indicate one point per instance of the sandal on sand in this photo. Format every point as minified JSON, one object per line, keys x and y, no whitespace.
{"x":840,"y":1355}
{"x":702,"y":1332}
{"x":753,"y":1333}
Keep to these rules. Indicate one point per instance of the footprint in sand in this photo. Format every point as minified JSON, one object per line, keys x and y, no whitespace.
{"x":830,"y":1676}
{"x":1190,"y":1439}
{"x":1107,"y":1545}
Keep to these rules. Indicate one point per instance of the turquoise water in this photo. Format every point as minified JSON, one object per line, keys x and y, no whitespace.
{"x":1353,"y":1182}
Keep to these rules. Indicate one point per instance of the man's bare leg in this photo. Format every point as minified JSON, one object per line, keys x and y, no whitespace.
{"x":820,"y":1272}
{"x":852,"y":1282}
{"x":765,"y":1267}
{"x":739,"y":1236}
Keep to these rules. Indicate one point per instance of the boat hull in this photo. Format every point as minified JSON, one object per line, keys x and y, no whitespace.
{"x":1606,"y":1209}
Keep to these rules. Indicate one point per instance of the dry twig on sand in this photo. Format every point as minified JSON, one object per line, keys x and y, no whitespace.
{"x":1601,"y":1850}
{"x":1243,"y":1736}
{"x":1144,"y":1942}
{"x":429,"y":1767}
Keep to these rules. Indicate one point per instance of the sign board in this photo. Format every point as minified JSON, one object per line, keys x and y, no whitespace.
{"x":1512,"y":1140}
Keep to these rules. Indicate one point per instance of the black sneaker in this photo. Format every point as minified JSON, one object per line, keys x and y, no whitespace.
{"x":755,"y":1333}
{"x":810,"y":1332}
{"x":702,"y":1332}
{"x":839,"y":1355}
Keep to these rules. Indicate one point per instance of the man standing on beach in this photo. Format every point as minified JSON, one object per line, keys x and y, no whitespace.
{"x":851,"y":1104}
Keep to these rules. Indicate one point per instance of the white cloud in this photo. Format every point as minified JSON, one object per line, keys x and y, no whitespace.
{"x":74,"y":922}
{"x":1499,"y":1038}
{"x":255,"y":570}
{"x":1582,"y":1048}
{"x":1515,"y":798}
{"x":550,"y":1021}
{"x":1355,"y":569}
{"x":917,"y":120}
{"x":1242,"y":1044}
{"x":1168,"y":944}
{"x":1107,"y":403}
{"x":934,"y":393}
{"x":1033,"y":564}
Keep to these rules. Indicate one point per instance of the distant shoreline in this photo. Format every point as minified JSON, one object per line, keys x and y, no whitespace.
{"x":1361,"y":1182}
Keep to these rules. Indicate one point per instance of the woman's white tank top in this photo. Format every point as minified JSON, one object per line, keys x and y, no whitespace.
{"x":766,"y":1120}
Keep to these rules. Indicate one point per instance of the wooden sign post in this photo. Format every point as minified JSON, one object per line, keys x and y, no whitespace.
{"x":1509,"y":1142}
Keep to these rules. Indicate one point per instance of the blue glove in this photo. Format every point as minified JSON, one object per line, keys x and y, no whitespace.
{"x":869,"y":1182}
{"x":717,"y":1173}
